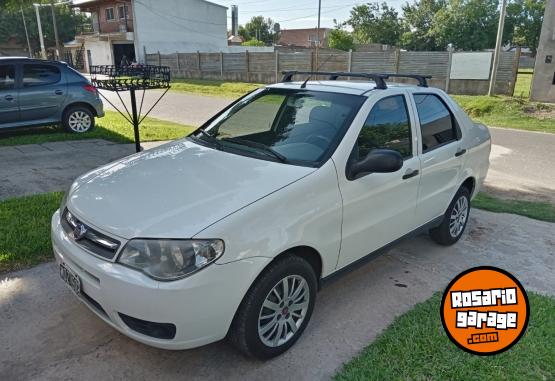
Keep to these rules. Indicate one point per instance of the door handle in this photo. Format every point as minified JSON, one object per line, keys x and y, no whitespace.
{"x":9,"y":98}
{"x":58,"y":92}
{"x":411,"y":175}
{"x":460,"y":152}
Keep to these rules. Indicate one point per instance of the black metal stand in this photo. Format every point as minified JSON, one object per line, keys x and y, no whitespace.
{"x":131,"y":78}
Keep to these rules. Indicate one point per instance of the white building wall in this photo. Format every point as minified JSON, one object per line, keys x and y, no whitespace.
{"x":101,"y":53}
{"x":184,"y":26}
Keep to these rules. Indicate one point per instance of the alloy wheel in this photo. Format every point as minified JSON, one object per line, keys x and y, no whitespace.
{"x":459,"y":214}
{"x":79,"y":121}
{"x":283,"y":311}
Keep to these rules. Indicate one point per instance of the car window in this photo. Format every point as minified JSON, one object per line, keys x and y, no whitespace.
{"x":7,"y":77}
{"x":387,"y":126}
{"x":40,"y":75}
{"x":302,"y":126}
{"x":436,"y":121}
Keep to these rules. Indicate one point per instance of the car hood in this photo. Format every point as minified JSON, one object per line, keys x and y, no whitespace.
{"x":174,"y":191}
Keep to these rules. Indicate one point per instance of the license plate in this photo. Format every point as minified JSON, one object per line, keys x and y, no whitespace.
{"x":71,"y":279}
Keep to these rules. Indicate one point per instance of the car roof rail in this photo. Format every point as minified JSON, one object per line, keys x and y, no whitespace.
{"x":422,"y":79}
{"x":378,"y":78}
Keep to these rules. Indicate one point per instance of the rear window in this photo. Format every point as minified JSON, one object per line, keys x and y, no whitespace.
{"x":40,"y":75}
{"x":436,"y":121}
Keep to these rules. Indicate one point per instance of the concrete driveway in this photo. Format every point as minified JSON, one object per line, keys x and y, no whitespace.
{"x":46,"y":334}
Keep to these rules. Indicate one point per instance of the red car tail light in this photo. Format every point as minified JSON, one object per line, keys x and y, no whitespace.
{"x":91,"y":89}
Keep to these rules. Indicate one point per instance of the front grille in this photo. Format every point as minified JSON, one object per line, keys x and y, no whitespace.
{"x":88,"y":238}
{"x":94,"y":303}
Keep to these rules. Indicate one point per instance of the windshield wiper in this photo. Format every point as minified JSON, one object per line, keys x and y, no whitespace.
{"x":211,"y":138}
{"x":262,"y":146}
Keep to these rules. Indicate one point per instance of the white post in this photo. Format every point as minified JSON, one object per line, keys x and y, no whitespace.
{"x":497,"y":53}
{"x":41,"y":38}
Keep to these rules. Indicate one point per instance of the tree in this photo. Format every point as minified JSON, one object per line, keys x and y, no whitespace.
{"x":11,"y":24}
{"x":341,"y":39}
{"x":258,"y":28}
{"x":524,"y":23}
{"x":418,"y":20}
{"x":375,"y":23}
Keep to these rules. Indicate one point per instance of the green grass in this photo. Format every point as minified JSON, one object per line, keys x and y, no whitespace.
{"x":509,"y":112}
{"x":415,"y":347}
{"x":25,"y":230}
{"x":543,"y":211}
{"x":524,"y":83}
{"x":213,"y":88}
{"x":112,"y":127}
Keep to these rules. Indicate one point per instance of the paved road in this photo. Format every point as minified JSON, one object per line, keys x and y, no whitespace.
{"x":189,"y":109}
{"x":522,"y":165}
{"x":522,"y":162}
{"x":46,"y":334}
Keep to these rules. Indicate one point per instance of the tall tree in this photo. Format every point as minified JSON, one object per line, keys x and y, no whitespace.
{"x":375,"y":23}
{"x":11,"y":24}
{"x":419,"y":18}
{"x":524,"y":23}
{"x":258,"y":28}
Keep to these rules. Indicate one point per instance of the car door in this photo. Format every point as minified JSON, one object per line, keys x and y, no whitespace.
{"x":9,"y":95}
{"x":441,"y":155}
{"x":43,"y":92}
{"x":379,"y":207}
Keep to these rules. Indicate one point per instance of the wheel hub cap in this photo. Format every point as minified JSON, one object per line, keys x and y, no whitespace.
{"x":283,"y":311}
{"x":459,"y":214}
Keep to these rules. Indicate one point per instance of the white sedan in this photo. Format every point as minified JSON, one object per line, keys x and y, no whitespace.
{"x":231,"y":231}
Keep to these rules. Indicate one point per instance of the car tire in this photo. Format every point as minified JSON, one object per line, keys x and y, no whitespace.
{"x":78,"y":119}
{"x":454,"y":221}
{"x":264,"y":327}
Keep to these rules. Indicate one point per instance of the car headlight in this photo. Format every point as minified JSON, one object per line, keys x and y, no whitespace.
{"x":166,"y":260}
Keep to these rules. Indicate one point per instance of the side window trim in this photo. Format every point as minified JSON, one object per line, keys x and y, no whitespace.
{"x":406,"y":101}
{"x":454,"y":122}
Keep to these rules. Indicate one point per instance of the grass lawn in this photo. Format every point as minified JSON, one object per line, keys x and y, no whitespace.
{"x":523,"y":83}
{"x":542,"y":211}
{"x":500,"y":111}
{"x":112,"y":127}
{"x":213,"y":88}
{"x":25,"y":230}
{"x":415,"y":347}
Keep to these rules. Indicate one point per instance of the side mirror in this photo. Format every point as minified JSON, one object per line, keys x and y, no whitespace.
{"x":377,"y":161}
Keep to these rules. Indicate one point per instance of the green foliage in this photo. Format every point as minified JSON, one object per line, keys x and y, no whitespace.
{"x":415,"y":347}
{"x":258,"y":28}
{"x":11,"y":24}
{"x":543,"y":211}
{"x":341,"y":39}
{"x":524,"y":22}
{"x":419,"y":20}
{"x":253,"y":42}
{"x":25,"y":230}
{"x":375,"y":23}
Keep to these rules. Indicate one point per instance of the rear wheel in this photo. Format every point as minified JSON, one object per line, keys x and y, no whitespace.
{"x":276,"y":310}
{"x":455,"y":220}
{"x":78,"y":119}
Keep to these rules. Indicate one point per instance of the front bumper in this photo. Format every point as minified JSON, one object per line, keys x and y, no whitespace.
{"x":201,"y":306}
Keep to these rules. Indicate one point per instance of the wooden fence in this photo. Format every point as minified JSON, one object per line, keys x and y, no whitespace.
{"x":267,"y":67}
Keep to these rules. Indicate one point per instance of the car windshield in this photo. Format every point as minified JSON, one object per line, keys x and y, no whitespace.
{"x":297,"y":127}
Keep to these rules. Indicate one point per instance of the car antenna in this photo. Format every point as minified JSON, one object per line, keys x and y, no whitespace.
{"x":303,"y":86}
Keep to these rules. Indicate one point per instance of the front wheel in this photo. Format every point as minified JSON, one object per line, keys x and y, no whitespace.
{"x":78,"y":119}
{"x":455,"y":220}
{"x":276,"y":310}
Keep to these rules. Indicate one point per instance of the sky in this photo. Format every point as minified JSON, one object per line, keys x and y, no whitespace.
{"x":292,"y":14}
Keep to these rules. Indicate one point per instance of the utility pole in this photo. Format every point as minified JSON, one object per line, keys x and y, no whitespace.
{"x":318,"y":34}
{"x":41,"y":38}
{"x":498,"y":47}
{"x":58,"y":50}
{"x":26,"y":33}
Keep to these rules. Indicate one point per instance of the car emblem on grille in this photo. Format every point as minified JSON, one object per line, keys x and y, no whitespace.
{"x":79,"y":231}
